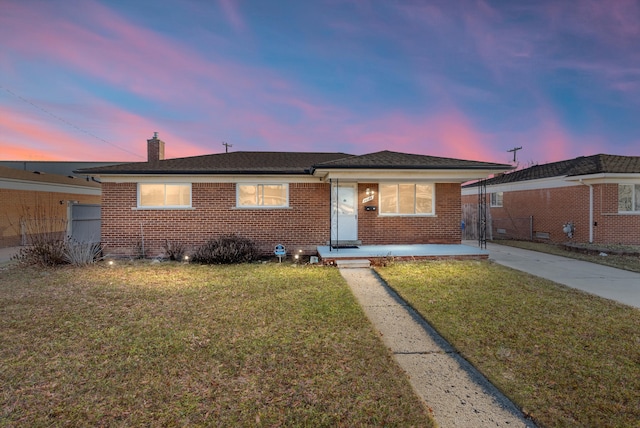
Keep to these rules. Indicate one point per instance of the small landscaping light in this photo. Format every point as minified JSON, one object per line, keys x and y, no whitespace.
{"x":111,"y":263}
{"x":186,"y":259}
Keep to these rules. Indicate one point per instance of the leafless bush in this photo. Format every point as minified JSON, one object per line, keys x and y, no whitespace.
{"x":42,"y":253}
{"x":174,"y":250}
{"x":139,"y":252}
{"x":43,"y":230}
{"x":82,"y":253}
{"x":227,"y":249}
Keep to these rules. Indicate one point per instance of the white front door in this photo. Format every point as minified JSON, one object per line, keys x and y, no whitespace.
{"x":344,"y":212}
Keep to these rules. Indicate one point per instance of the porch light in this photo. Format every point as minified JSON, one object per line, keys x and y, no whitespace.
{"x":370,"y":192}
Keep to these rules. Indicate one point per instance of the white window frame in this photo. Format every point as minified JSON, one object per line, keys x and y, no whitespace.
{"x":635,"y":196}
{"x":495,"y":201}
{"x":414,"y":214}
{"x":261,"y":185}
{"x":164,"y":206}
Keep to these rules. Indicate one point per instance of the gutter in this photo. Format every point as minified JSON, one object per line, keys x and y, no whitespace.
{"x":590,"y":210}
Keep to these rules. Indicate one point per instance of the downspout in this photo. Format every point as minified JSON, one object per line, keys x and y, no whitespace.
{"x":590,"y":210}
{"x":331,"y":214}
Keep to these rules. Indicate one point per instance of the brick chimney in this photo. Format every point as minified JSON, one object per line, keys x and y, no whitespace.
{"x":155,"y":149}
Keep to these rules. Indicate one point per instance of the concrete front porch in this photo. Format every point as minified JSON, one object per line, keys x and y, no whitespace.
{"x":380,"y":253}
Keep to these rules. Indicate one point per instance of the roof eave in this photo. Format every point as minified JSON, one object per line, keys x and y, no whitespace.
{"x":197,"y":172}
{"x":372,"y":175}
{"x":604,"y":177}
{"x":496,"y":167}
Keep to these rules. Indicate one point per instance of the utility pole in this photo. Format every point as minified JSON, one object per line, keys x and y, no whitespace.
{"x":515,"y":150}
{"x":226,"y":146}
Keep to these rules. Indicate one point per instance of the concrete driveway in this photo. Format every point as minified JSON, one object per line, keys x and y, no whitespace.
{"x":7,"y":253}
{"x":615,"y":284}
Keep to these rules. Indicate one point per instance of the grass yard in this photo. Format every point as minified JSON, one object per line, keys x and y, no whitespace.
{"x":169,"y":344}
{"x":567,"y":358}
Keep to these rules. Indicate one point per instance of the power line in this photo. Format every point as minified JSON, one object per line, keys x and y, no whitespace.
{"x":66,"y":122}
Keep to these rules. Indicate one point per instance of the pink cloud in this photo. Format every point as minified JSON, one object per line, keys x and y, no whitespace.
{"x":37,"y":140}
{"x":123,"y":47}
{"x":41,"y":137}
{"x":549,"y":141}
{"x":446,"y":134}
{"x":230,"y":8}
{"x":211,"y":98}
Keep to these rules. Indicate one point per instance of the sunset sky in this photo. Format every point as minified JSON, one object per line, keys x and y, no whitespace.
{"x":88,"y":80}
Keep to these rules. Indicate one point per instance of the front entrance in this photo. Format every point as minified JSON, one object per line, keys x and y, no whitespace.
{"x":344,"y":213}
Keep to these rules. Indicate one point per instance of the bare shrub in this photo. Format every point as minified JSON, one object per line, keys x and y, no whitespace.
{"x":43,"y":231}
{"x":82,"y":253}
{"x":174,"y":250}
{"x":42,"y":253}
{"x":226,"y":249}
{"x":139,"y":252}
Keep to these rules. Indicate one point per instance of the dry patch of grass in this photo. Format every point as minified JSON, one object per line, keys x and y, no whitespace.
{"x":617,"y":256}
{"x":566,"y":357}
{"x":188,"y":345}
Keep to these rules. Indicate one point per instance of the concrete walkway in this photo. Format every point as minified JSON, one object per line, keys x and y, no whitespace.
{"x":7,"y":253}
{"x":615,"y":284}
{"x":458,"y":394}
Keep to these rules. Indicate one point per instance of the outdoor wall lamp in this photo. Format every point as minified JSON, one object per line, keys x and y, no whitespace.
{"x":370,"y":192}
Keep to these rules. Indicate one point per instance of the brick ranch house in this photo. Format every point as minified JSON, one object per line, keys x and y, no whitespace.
{"x":593,"y":199}
{"x":298,"y":199}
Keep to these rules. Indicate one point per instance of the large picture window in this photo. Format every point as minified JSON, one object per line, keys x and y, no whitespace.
{"x":629,"y":198}
{"x":164,"y":195}
{"x":262,"y":195}
{"x":406,"y":199}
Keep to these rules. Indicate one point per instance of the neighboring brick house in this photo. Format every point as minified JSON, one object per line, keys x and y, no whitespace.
{"x":32,"y":202}
{"x":592,"y":199}
{"x":298,"y":199}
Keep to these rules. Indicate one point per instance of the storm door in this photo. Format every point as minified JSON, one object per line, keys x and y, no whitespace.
{"x":344,"y":212}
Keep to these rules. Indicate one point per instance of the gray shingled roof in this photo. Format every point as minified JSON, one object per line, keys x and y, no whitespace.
{"x":225,"y":163}
{"x":287,"y":163}
{"x":595,"y":164}
{"x":394,"y":160}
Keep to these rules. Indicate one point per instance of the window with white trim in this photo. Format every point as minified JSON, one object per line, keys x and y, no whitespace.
{"x":628,"y":198}
{"x":496,"y":199}
{"x":164,"y":195}
{"x":262,"y":195}
{"x":406,"y":198}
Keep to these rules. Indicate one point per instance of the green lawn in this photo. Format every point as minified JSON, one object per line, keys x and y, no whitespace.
{"x":567,"y":358}
{"x":170,"y":344}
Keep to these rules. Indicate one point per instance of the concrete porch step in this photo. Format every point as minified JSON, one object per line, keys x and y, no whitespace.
{"x":351,"y":263}
{"x":345,"y":244}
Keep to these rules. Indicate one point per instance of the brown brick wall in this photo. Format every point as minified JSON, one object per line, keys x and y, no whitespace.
{"x":17,"y":204}
{"x":443,"y":228}
{"x":612,"y":227}
{"x":551,"y":208}
{"x":302,"y":226}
